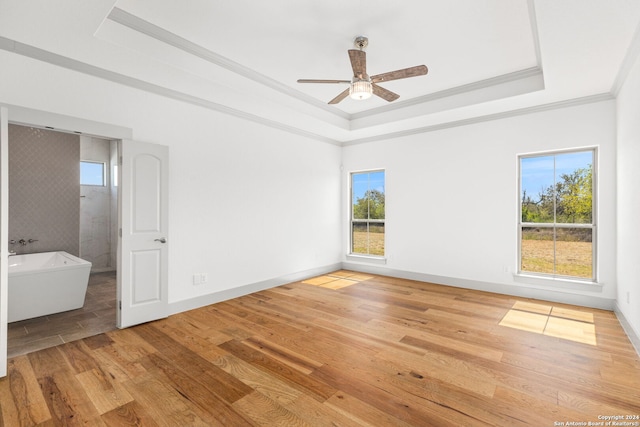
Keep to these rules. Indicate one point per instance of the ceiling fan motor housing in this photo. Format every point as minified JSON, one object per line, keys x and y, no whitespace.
{"x":361,"y":42}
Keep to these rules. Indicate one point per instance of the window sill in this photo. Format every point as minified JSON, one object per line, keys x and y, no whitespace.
{"x":558,"y":282}
{"x":372,"y":259}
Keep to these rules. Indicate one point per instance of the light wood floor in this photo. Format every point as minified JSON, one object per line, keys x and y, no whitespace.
{"x":98,"y":315}
{"x":367,"y":351}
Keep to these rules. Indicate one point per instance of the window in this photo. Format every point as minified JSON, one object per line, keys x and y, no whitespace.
{"x":92,"y":173}
{"x":367,"y":213}
{"x":557,"y":227}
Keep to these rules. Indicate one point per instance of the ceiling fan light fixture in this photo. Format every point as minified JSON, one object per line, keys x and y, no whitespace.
{"x":360,"y":89}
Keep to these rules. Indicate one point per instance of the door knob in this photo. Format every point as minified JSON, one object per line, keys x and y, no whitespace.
{"x":161,"y":240}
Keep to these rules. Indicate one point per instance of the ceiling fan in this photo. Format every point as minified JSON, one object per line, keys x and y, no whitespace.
{"x":361,"y":86}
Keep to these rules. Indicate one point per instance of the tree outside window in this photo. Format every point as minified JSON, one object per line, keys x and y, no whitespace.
{"x":367,"y":213}
{"x":557,"y":224}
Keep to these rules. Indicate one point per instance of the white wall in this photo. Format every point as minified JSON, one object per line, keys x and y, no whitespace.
{"x":628,"y":114}
{"x":248,"y":203}
{"x":452,"y":200}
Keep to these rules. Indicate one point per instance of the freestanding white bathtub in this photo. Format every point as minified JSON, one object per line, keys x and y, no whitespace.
{"x":46,"y":283}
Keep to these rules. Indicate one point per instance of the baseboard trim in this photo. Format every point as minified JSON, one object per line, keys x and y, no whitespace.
{"x":102,"y":269}
{"x":513,"y":290}
{"x":524,"y":292}
{"x":633,"y":335}
{"x":227,"y":294}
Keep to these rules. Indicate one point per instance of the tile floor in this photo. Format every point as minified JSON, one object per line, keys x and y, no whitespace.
{"x":97,"y":316}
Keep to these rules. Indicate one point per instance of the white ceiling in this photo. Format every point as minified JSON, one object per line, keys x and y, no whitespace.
{"x":485,"y":57}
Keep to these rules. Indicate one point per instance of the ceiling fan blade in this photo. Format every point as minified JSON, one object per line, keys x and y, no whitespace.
{"x":385,"y":94}
{"x":340,"y":97}
{"x":322,"y":81}
{"x":358,"y":63}
{"x":419,"y":70}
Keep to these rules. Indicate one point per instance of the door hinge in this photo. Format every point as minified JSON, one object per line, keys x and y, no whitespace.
{"x":120,"y":232}
{"x":120,"y":160}
{"x":119,"y":305}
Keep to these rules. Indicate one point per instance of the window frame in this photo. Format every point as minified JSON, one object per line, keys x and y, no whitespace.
{"x":104,"y":173}
{"x":555,"y":225}
{"x":368,"y":221}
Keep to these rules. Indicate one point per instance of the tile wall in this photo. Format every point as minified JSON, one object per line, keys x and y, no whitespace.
{"x":96,"y":208}
{"x":44,"y":190}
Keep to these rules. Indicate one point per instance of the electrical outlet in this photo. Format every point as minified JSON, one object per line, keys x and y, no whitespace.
{"x":505,"y":269}
{"x":200,"y":278}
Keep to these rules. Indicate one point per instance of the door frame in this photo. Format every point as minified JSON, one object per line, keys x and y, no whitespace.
{"x":4,"y":236}
{"x":41,"y":119}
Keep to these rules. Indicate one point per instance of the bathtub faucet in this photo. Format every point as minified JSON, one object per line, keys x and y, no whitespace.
{"x":32,"y":240}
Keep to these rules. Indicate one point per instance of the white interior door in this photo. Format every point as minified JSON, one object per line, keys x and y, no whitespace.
{"x":142,"y":250}
{"x":4,"y":235}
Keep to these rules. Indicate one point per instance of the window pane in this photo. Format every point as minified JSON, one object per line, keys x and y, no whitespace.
{"x":360,"y":201}
{"x":574,"y":187}
{"x":574,"y":252}
{"x":360,"y":238}
{"x":376,"y":238}
{"x":367,"y":212}
{"x":536,"y":188}
{"x":91,"y":173}
{"x":367,"y":238}
{"x":537,"y":250}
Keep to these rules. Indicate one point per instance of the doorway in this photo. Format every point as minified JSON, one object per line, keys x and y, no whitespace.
{"x":142,"y":249}
{"x":78,"y":214}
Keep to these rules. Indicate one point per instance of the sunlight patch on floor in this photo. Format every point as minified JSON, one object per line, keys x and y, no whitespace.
{"x":553,"y":321}
{"x":337,"y":279}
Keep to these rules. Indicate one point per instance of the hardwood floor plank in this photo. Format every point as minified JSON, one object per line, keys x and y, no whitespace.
{"x":105,"y":393}
{"x":362,"y":413}
{"x":459,"y":372}
{"x":67,"y":402}
{"x":403,"y":407}
{"x":129,"y":414}
{"x":265,"y":412}
{"x":202,"y":392}
{"x":285,"y":355}
{"x":269,"y":385}
{"x":380,"y":352}
{"x":305,"y":383}
{"x":320,"y":414}
{"x":183,"y":333}
{"x":171,"y":353}
{"x":26,"y":394}
{"x":79,"y":357}
{"x":164,"y":404}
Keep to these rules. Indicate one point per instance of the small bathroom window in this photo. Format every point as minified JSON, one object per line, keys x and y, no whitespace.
{"x":92,"y":173}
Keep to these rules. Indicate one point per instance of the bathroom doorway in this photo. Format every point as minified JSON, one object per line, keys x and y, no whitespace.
{"x":81,"y":218}
{"x":142,"y":254}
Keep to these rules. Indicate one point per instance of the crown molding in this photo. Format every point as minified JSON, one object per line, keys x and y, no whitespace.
{"x":162,"y":35}
{"x":458,"y":90}
{"x":75,"y":65}
{"x":82,"y":67}
{"x":135,"y":23}
{"x":486,"y":118}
